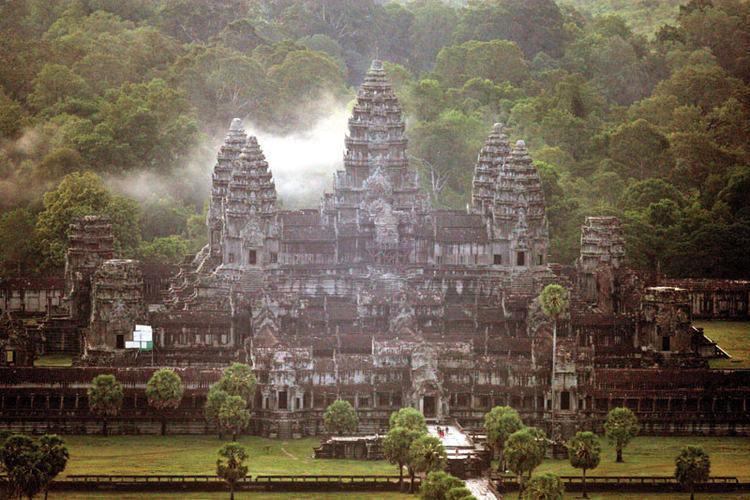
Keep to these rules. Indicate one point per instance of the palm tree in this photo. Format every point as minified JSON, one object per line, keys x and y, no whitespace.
{"x":554,"y":301}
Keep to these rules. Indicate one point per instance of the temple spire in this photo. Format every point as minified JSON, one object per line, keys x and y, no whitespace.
{"x":490,"y":161}
{"x":519,"y":210}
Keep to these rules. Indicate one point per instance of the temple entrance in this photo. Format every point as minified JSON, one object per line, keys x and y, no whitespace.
{"x":429,"y":406}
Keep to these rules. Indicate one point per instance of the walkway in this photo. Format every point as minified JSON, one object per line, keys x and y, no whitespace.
{"x":452,"y":439}
{"x":480,"y":489}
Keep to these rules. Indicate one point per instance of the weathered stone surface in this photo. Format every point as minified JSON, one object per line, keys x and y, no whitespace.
{"x":376,"y":298}
{"x":117,"y":305}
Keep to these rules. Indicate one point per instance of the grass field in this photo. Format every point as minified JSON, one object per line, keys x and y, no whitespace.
{"x":197,"y":455}
{"x":730,"y":456}
{"x":654,"y":456}
{"x":54,"y":361}
{"x":733,"y":337}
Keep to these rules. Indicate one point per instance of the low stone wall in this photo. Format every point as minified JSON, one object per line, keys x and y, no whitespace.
{"x":205,"y":483}
{"x":650,"y":484}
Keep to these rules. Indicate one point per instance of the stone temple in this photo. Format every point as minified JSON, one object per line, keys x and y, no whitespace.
{"x":378,"y":298}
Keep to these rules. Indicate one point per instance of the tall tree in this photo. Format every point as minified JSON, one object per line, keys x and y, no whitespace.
{"x":230,"y":466}
{"x":584,"y":452}
{"x":524,"y":452}
{"x":238,"y":380}
{"x":233,"y":415}
{"x":105,"y":398}
{"x":500,"y":422}
{"x":554,"y":301}
{"x":426,"y":454}
{"x":396,"y":446}
{"x":409,"y":418}
{"x":692,"y":466}
{"x":54,"y":457}
{"x":17,"y":255}
{"x":340,"y":418}
{"x":215,"y":398}
{"x":164,"y":391}
{"x":31,"y":466}
{"x":621,"y":427}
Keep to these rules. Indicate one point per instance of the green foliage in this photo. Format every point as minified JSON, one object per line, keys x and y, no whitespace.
{"x":31,"y":466}
{"x":166,"y":250}
{"x":54,"y":456}
{"x":11,"y":117}
{"x":56,"y":84}
{"x":438,"y":485}
{"x":215,"y":398}
{"x":500,"y":422}
{"x":584,"y":450}
{"x":427,"y":454}
{"x":692,"y":466}
{"x":536,"y":25}
{"x":82,"y":194}
{"x":396,"y":446}
{"x":230,"y":466}
{"x":544,"y":487}
{"x":497,"y":60}
{"x":408,"y":418}
{"x":233,"y":415}
{"x":618,"y":122}
{"x":18,"y":255}
{"x":554,"y":300}
{"x":105,"y":395}
{"x":164,"y":389}
{"x":637,"y":148}
{"x":238,"y":380}
{"x":340,"y":418}
{"x":459,"y":493}
{"x":227,"y":399}
{"x":621,"y":427}
{"x":525,"y":449}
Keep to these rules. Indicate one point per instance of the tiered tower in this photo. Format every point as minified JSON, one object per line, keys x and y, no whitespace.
{"x":520,"y":223}
{"x":117,"y":304}
{"x":602,"y":252}
{"x":228,"y":154}
{"x":91,"y":242}
{"x":376,"y":140}
{"x":248,"y":208}
{"x":490,"y":162}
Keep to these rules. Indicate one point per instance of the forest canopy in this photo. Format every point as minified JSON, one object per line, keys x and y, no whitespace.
{"x":635,"y":109}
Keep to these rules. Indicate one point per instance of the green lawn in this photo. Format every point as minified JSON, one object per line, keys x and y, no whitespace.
{"x":730,"y":456}
{"x":197,"y":455}
{"x":733,"y":337}
{"x":654,"y":456}
{"x":54,"y":361}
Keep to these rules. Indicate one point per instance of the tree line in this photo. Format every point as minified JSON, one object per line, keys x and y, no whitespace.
{"x":647,"y":124}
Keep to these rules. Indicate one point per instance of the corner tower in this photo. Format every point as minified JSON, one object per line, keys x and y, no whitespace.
{"x":243,"y":204}
{"x":521,"y":236}
{"x":222,"y":175}
{"x":490,"y":162}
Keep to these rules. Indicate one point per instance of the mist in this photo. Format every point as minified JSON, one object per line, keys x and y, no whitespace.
{"x":302,"y":163}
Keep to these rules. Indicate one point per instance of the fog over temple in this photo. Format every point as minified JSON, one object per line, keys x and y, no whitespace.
{"x":380,"y":299}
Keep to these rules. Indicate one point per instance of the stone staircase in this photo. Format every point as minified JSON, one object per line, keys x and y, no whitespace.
{"x":481,"y":489}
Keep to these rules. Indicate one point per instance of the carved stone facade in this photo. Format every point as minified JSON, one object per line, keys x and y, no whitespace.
{"x":377,"y":298}
{"x":117,"y":305}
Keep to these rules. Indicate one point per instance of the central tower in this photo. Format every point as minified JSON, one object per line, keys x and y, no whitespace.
{"x":376,"y":145}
